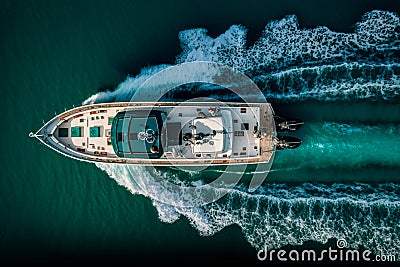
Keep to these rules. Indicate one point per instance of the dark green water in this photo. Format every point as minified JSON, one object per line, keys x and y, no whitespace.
{"x":56,"y":54}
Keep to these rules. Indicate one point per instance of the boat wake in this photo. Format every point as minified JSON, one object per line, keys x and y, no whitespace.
{"x":329,"y":145}
{"x":293,"y":65}
{"x":281,"y":214}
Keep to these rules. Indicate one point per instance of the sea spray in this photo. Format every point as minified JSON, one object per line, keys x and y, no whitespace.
{"x":281,"y":214}
{"x":291,"y":64}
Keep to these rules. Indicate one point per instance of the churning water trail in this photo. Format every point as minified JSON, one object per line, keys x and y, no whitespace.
{"x":292,"y":65}
{"x":280,"y":214}
{"x":342,"y":145}
{"x":344,"y":81}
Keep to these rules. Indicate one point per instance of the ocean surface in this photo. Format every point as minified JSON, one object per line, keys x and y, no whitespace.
{"x":335,"y":65}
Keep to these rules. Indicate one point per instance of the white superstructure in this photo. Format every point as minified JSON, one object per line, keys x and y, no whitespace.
{"x":164,"y":133}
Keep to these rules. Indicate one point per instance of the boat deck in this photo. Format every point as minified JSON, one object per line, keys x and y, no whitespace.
{"x":230,"y":133}
{"x":88,"y":132}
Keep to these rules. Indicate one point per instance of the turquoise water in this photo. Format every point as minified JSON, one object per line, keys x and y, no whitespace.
{"x":343,"y":182}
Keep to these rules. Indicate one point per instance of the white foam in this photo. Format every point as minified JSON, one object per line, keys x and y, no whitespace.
{"x":127,"y":88}
{"x":333,"y":82}
{"x":279,"y":214}
{"x":285,"y":53}
{"x":228,"y":48}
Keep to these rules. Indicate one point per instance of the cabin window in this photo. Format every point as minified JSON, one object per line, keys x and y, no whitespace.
{"x":120,"y":137}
